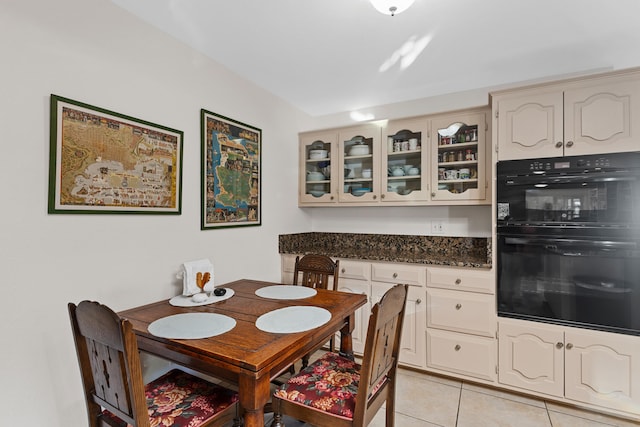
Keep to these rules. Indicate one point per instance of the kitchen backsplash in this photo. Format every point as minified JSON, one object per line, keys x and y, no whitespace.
{"x":434,"y":250}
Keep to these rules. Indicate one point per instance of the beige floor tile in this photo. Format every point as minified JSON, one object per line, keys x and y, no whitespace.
{"x":559,"y":419}
{"x":590,"y":415}
{"x":436,"y":378}
{"x":401,"y":420}
{"x":504,"y":394}
{"x":484,"y":410}
{"x":427,"y":400}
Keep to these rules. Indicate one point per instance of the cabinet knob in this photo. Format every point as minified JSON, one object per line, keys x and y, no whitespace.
{"x":343,"y":271}
{"x":458,"y":306}
{"x":433,"y":194}
{"x":418,"y":301}
{"x":331,"y":198}
{"x":395,"y":275}
{"x":382,"y":196}
{"x":375,"y":197}
{"x":569,"y":346}
{"x":458,"y":281}
{"x":559,"y":144}
{"x":457,"y":347}
{"x":559,"y":345}
{"x":569,"y":143}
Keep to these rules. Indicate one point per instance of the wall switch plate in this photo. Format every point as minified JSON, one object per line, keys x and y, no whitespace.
{"x":438,"y":226}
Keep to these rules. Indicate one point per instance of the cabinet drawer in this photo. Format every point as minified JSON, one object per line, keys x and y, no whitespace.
{"x":461,"y":311}
{"x":354,"y":270}
{"x":462,"y":279}
{"x":462,"y":354}
{"x":398,"y":273}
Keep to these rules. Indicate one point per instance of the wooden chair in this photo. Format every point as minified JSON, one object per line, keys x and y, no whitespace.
{"x":115,"y":393}
{"x":336,"y":391}
{"x":316,"y":271}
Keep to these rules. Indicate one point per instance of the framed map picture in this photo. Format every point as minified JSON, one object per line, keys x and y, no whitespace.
{"x":105,"y":162}
{"x":231,"y":175}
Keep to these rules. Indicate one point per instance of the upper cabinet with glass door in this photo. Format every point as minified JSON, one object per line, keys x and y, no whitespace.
{"x":405,"y":161}
{"x":359,"y":171}
{"x":458,"y":150}
{"x":319,"y":165}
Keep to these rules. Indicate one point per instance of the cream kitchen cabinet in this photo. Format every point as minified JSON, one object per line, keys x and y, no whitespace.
{"x":461,"y":322}
{"x":404,"y":163}
{"x":592,"y":115}
{"x":590,"y":367}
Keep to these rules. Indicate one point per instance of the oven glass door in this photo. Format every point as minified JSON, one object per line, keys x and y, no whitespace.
{"x":584,"y":282}
{"x":603,"y":198}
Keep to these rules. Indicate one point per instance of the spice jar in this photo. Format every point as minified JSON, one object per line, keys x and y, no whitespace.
{"x":460,"y":156}
{"x":469,"y":155}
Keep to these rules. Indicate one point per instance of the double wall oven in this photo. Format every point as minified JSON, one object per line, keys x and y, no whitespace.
{"x":568,"y":240}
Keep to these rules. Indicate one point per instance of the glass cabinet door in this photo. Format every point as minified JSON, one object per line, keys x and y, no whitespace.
{"x":405,"y":166}
{"x":458,"y":151}
{"x":317,"y":177}
{"x":359,"y":172}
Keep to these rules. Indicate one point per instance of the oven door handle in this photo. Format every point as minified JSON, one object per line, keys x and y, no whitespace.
{"x":557,"y":244}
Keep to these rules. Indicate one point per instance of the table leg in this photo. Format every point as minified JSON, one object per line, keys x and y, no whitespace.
{"x":346,"y":343}
{"x":254,"y":393}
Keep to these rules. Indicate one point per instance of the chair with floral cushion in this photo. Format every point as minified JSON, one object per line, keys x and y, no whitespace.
{"x":115,"y":393}
{"x":336,"y":391}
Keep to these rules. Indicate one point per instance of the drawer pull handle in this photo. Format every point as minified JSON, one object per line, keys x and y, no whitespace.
{"x":418,"y":301}
{"x":458,"y":306}
{"x":559,"y":345}
{"x":559,"y":144}
{"x":343,"y":271}
{"x":457,"y":347}
{"x":458,"y":281}
{"x":395,"y":275}
{"x":569,"y":346}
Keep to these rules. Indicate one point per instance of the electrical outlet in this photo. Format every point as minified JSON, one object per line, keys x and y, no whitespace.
{"x":438,"y":226}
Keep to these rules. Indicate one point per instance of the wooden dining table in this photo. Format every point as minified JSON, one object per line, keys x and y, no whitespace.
{"x":246,"y":355}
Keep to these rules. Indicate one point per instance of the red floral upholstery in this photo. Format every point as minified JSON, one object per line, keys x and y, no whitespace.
{"x":330,"y":384}
{"x":179,"y":399}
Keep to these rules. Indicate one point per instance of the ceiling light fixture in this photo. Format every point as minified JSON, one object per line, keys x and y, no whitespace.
{"x":391,"y":7}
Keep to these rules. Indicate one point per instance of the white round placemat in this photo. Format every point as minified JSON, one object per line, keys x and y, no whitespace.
{"x":297,"y":318}
{"x":186,"y":301}
{"x":191,"y":325}
{"x":286,"y":292}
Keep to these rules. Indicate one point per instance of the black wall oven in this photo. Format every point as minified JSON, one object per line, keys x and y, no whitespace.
{"x":568,"y":241}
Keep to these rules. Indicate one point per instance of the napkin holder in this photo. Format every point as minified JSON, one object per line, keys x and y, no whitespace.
{"x":194,"y":273}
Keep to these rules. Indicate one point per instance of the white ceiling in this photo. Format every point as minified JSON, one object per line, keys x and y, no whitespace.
{"x":330,"y":56}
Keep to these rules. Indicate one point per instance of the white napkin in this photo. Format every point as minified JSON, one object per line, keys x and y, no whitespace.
{"x":189,"y":273}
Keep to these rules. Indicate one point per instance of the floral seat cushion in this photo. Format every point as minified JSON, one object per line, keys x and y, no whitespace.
{"x":330,"y":384}
{"x":179,"y":399}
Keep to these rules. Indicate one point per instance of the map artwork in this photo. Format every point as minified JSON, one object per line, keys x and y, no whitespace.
{"x":109,"y":163}
{"x":231,"y":173}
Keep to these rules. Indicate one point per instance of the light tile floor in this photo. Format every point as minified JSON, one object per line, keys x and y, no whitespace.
{"x":425,"y":400}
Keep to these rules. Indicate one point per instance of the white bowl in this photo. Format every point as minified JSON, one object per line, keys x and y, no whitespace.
{"x":317,"y":154}
{"x":315,"y":176}
{"x":317,"y":193}
{"x":366,"y":173}
{"x":359,"y":150}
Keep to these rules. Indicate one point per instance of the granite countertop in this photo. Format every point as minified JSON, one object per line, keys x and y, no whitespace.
{"x":427,"y":250}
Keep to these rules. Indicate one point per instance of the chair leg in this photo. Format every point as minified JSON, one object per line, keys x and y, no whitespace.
{"x":277,"y":416}
{"x":305,"y":361}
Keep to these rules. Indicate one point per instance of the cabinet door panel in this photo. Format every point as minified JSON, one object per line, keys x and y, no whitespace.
{"x":461,"y":311}
{"x":530,"y":357}
{"x":530,"y":126}
{"x":602,"y":369}
{"x":412,"y":344}
{"x":354,"y":270}
{"x":599,"y":119}
{"x":318,"y":174}
{"x":353,"y":161}
{"x":461,"y":279}
{"x":463,"y":354}
{"x":359,"y":333}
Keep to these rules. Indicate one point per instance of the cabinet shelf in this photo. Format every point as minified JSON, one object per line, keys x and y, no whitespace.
{"x":405,"y":152}
{"x":458,"y":145}
{"x":365,"y":156}
{"x":402,"y":178}
{"x":457,"y":181}
{"x":461,"y":163}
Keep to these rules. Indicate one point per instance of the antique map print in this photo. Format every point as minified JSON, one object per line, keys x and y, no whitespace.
{"x":105,"y":162}
{"x":231,"y":173}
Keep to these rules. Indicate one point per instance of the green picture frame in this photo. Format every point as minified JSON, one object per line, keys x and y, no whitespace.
{"x":231,"y":172}
{"x":103,"y":162}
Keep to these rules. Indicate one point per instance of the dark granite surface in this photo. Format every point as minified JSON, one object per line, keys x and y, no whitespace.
{"x":428,"y":250}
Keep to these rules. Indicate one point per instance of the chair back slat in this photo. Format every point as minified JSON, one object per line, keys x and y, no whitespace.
{"x":316,"y":270}
{"x":380,"y":357}
{"x":105,"y":359}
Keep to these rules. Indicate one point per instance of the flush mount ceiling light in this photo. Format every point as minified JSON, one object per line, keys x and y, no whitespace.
{"x":391,"y":7}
